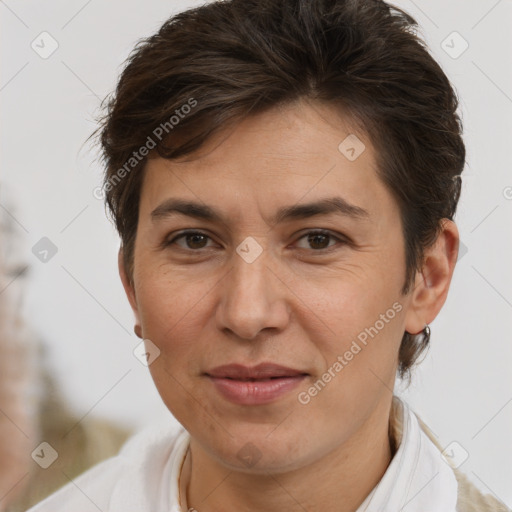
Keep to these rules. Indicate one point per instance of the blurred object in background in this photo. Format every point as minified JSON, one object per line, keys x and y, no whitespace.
{"x":42,"y":444}
{"x":18,"y":374}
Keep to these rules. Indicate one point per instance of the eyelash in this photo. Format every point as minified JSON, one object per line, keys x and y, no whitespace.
{"x":341,"y":240}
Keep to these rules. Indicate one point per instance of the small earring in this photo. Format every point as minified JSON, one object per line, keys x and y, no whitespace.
{"x":426,"y":333}
{"x":137,"y":330}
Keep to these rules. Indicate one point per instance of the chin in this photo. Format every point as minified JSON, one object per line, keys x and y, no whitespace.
{"x":258,"y":449}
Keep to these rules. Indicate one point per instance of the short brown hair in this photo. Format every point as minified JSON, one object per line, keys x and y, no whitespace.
{"x":228,"y":59}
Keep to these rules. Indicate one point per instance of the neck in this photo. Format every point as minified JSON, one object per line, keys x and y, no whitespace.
{"x":340,"y":481}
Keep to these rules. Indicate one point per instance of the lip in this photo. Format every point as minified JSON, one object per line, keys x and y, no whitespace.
{"x":261,"y":371}
{"x":255,"y":385}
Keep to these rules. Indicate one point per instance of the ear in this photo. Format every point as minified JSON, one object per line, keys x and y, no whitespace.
{"x":433,"y":281}
{"x":128,"y":286}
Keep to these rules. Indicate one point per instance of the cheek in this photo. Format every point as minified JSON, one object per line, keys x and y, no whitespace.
{"x":359,"y":359}
{"x":170,"y":315}
{"x":163,"y":297}
{"x":364,"y":323}
{"x":350,"y":302}
{"x":169,"y":312}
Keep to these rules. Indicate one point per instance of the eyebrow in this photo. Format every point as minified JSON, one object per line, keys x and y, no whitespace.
{"x":332,"y":205}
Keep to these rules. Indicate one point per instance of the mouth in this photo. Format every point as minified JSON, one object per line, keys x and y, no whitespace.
{"x":255,"y":379}
{"x":263,"y":371}
{"x":258,"y":385}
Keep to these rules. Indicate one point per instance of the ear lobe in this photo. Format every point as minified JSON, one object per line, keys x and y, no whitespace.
{"x":128,"y":286}
{"x":433,"y":281}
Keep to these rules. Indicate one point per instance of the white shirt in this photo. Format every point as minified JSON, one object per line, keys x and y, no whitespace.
{"x":144,"y":477}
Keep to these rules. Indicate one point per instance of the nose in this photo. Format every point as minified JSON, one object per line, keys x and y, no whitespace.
{"x":254,"y":297}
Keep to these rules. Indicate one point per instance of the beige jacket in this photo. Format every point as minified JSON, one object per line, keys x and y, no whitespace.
{"x":470,"y":499}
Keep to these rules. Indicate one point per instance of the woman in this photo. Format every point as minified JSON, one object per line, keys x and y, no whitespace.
{"x":284,"y":177}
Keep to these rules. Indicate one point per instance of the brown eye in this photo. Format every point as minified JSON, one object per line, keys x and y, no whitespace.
{"x":319,"y":240}
{"x":193,"y":240}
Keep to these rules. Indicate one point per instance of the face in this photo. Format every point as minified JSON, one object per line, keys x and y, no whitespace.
{"x":252,"y":277}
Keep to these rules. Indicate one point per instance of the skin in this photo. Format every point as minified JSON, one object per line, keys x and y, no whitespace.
{"x":299,"y":304}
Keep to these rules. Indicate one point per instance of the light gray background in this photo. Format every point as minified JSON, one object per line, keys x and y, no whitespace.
{"x":76,"y":303}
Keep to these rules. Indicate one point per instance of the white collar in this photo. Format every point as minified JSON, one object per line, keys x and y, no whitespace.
{"x":418,"y":479}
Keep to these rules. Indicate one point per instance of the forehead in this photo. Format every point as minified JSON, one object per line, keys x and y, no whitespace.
{"x":287,"y":155}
